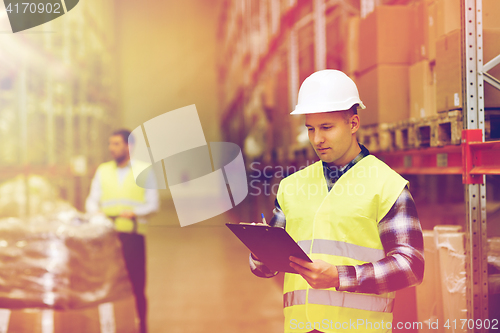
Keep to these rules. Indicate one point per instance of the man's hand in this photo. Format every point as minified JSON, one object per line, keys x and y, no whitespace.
{"x":319,"y":274}
{"x":128,"y":214}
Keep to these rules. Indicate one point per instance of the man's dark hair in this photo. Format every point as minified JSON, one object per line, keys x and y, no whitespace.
{"x":349,"y":113}
{"x":125,"y":134}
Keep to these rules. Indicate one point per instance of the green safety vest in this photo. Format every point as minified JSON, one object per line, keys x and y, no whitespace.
{"x":116,"y":198}
{"x":339,"y":226}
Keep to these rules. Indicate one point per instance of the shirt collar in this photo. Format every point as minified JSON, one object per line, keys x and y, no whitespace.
{"x":128,"y":165}
{"x":341,"y":170}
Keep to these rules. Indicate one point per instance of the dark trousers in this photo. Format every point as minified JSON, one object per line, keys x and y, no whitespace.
{"x":134,"y":253}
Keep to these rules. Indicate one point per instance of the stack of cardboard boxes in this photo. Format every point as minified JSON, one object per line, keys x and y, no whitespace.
{"x":448,"y":56}
{"x":449,"y":52}
{"x":422,"y":57}
{"x":409,"y":59}
{"x":384,"y":55}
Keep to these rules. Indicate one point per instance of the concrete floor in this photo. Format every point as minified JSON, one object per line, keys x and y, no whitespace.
{"x":199,"y":280}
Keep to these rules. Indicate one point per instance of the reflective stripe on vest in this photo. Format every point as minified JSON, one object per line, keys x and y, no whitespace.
{"x":339,"y":298}
{"x":342,"y":249}
{"x":126,"y":202}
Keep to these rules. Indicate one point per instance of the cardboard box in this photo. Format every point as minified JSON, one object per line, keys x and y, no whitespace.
{"x":422,"y":90}
{"x":384,"y":37}
{"x":431,"y":22}
{"x":305,"y":44}
{"x":439,"y":230}
{"x":449,"y":72}
{"x":423,"y":32}
{"x":491,"y":13}
{"x":114,"y":317}
{"x":491,"y":48}
{"x":336,"y":38}
{"x":429,"y":297}
{"x":453,"y":280}
{"x":448,"y":16}
{"x":385,"y":92}
{"x":418,"y":33}
{"x":352,"y":63}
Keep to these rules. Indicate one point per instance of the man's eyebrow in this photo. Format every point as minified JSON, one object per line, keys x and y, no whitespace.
{"x":324,"y":124}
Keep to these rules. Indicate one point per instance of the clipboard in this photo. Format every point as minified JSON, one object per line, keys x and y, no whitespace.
{"x":272,"y":245}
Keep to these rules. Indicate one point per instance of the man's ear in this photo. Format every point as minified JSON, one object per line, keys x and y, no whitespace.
{"x":355,"y":123}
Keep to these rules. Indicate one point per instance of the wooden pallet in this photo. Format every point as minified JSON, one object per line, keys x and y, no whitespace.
{"x":492,"y":125}
{"x":404,"y":134}
{"x":440,"y":130}
{"x":377,"y":137}
{"x":436,"y":131}
{"x":387,"y":137}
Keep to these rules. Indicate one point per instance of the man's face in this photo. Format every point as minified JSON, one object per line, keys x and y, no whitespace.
{"x":118,"y":148}
{"x":330,"y":135}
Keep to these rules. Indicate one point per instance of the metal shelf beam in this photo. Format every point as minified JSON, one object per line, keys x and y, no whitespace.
{"x":472,"y":159}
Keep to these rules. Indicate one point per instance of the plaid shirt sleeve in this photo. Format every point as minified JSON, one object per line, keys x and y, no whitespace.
{"x":403,"y":266}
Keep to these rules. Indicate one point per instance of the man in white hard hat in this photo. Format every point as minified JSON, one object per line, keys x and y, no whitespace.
{"x":352,"y":214}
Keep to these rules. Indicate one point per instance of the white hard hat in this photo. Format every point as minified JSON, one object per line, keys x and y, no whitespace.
{"x":325,"y":91}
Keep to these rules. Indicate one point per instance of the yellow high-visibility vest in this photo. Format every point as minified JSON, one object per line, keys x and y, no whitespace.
{"x":116,"y":198}
{"x":339,"y":226}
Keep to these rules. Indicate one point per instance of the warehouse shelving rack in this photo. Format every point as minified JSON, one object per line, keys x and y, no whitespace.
{"x":251,"y":47}
{"x":474,"y":159}
{"x":60,"y":92}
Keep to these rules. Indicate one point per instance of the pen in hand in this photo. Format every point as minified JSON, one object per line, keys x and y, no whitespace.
{"x":263,"y":218}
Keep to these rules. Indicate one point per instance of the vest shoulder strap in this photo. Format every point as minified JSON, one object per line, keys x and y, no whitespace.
{"x":107,"y":166}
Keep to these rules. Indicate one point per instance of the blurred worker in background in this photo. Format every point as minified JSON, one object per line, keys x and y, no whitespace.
{"x":115,"y":193}
{"x":352,"y":214}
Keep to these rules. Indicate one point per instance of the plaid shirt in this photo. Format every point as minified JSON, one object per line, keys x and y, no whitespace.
{"x":401,"y":236}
